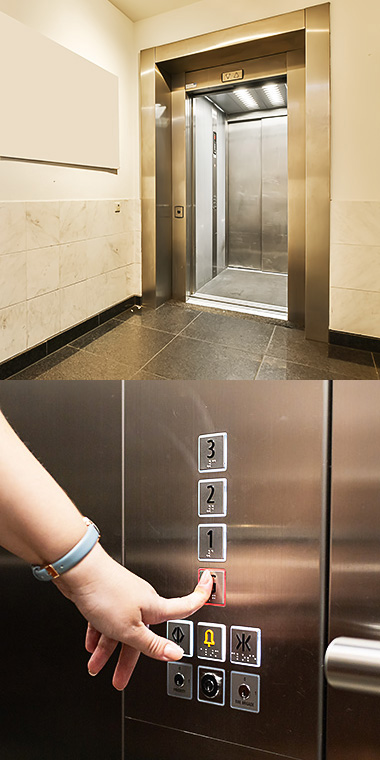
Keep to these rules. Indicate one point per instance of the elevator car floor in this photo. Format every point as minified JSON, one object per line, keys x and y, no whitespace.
{"x":182,"y":342}
{"x":249,"y":285}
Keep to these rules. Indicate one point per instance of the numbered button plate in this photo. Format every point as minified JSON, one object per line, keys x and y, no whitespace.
{"x":212,"y":497}
{"x":212,"y":452}
{"x":212,"y":542}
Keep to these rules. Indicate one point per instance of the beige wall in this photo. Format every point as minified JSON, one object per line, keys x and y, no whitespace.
{"x":64,"y":253}
{"x":355,"y":123}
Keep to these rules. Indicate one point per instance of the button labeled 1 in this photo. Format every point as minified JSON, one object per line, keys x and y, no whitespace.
{"x":212,"y":452}
{"x":212,"y":542}
{"x":212,"y":497}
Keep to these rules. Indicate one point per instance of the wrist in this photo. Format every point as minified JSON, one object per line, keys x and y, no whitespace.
{"x":83,"y":573}
{"x":71,"y":558}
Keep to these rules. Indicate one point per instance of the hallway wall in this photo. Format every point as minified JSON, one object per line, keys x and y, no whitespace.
{"x":355,"y":190}
{"x":64,"y":253}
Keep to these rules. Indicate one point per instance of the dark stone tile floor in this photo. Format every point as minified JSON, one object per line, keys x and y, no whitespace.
{"x":184,"y":342}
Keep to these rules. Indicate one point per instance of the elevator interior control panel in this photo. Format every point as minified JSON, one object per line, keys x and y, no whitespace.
{"x":209,"y":640}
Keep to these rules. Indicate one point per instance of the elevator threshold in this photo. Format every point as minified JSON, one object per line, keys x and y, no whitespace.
{"x":244,"y":307}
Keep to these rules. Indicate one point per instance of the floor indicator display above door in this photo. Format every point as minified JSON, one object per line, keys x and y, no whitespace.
{"x":212,"y":497}
{"x":211,"y":641}
{"x":179,"y":680}
{"x":245,"y":691}
{"x":211,"y":685}
{"x":212,"y":542}
{"x":212,"y":452}
{"x":181,"y":632}
{"x":245,"y":646}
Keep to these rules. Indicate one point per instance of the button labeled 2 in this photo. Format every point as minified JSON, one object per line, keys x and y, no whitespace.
{"x":212,"y":542}
{"x":212,"y":452}
{"x":212,"y":497}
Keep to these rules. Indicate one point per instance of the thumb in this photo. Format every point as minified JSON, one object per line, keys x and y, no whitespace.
{"x":149,"y":643}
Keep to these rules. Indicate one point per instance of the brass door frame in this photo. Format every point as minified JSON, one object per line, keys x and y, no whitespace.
{"x":308,"y":72}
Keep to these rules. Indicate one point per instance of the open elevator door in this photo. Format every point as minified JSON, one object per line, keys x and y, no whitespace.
{"x":239,"y":196}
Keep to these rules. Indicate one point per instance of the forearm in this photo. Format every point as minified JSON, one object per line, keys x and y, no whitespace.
{"x":38,"y":521}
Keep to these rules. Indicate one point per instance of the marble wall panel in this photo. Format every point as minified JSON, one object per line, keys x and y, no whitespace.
{"x":72,"y":221}
{"x":355,"y":311}
{"x":73,"y":305}
{"x":355,"y":222}
{"x":96,"y":294}
{"x":12,"y":279}
{"x":42,"y":271}
{"x":72,"y":263}
{"x":13,"y":333}
{"x":355,"y":266}
{"x":42,"y":224}
{"x":12,"y":227}
{"x":43,"y":318}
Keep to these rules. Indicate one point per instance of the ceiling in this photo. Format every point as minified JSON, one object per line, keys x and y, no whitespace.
{"x":136,"y":10}
{"x":231,"y":104}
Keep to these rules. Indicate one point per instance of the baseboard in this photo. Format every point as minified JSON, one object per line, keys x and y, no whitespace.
{"x":350,"y":340}
{"x":24,"y":360}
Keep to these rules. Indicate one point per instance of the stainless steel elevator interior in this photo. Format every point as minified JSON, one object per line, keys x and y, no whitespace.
{"x":274,"y":487}
{"x":238,"y":147}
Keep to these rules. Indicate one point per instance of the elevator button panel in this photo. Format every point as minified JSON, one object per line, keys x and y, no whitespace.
{"x":212,"y":542}
{"x":180,"y":680}
{"x":211,"y":641}
{"x":211,"y":685}
{"x":245,"y":691}
{"x":212,"y":497}
{"x":245,"y":646}
{"x":181,"y":632}
{"x":218,"y":592}
{"x":212,"y":452}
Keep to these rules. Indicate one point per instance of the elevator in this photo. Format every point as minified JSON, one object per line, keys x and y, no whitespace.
{"x":236,"y":197}
{"x":239,"y":246}
{"x":274,"y":488}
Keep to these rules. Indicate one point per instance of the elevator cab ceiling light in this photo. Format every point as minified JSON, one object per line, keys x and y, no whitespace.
{"x":246,"y":97}
{"x":274,"y":95}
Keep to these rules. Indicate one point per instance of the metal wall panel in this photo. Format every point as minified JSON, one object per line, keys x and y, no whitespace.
{"x":163,"y":190}
{"x":203,"y":156}
{"x":244,"y":194}
{"x":352,"y":723}
{"x":275,"y":488}
{"x":49,"y":706}
{"x":275,"y":194}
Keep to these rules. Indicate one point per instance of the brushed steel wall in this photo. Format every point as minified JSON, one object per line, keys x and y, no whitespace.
{"x":49,"y":706}
{"x":275,"y":491}
{"x":352,"y":719}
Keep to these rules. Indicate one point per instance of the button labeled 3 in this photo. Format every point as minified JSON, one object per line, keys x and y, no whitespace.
{"x":211,"y":641}
{"x":181,"y":632}
{"x":212,"y":452}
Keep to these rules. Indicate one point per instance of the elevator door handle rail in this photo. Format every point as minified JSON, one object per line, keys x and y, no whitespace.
{"x":353,"y":664}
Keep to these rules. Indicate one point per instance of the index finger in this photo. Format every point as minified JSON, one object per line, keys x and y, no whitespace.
{"x":184,"y":606}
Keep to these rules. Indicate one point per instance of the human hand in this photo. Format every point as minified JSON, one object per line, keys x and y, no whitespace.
{"x":119,"y":606}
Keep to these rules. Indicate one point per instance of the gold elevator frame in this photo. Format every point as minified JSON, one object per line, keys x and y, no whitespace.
{"x":296,"y":43}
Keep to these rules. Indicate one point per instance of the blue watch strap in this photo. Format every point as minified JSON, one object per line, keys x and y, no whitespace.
{"x":69,"y":560}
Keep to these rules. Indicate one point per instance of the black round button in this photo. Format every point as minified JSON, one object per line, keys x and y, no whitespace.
{"x":244,"y":691}
{"x":179,"y":679}
{"x":210,"y":685}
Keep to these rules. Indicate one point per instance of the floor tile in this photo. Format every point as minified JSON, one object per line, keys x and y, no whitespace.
{"x":82,"y":365}
{"x":144,"y":375}
{"x":89,"y":337}
{"x":189,"y":359}
{"x":37,"y":370}
{"x":243,"y":334}
{"x":169,"y":317}
{"x":131,"y":345}
{"x":280,"y":369}
{"x":291,"y":346}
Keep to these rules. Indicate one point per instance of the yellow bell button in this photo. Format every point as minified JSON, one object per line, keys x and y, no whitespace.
{"x":210,"y":641}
